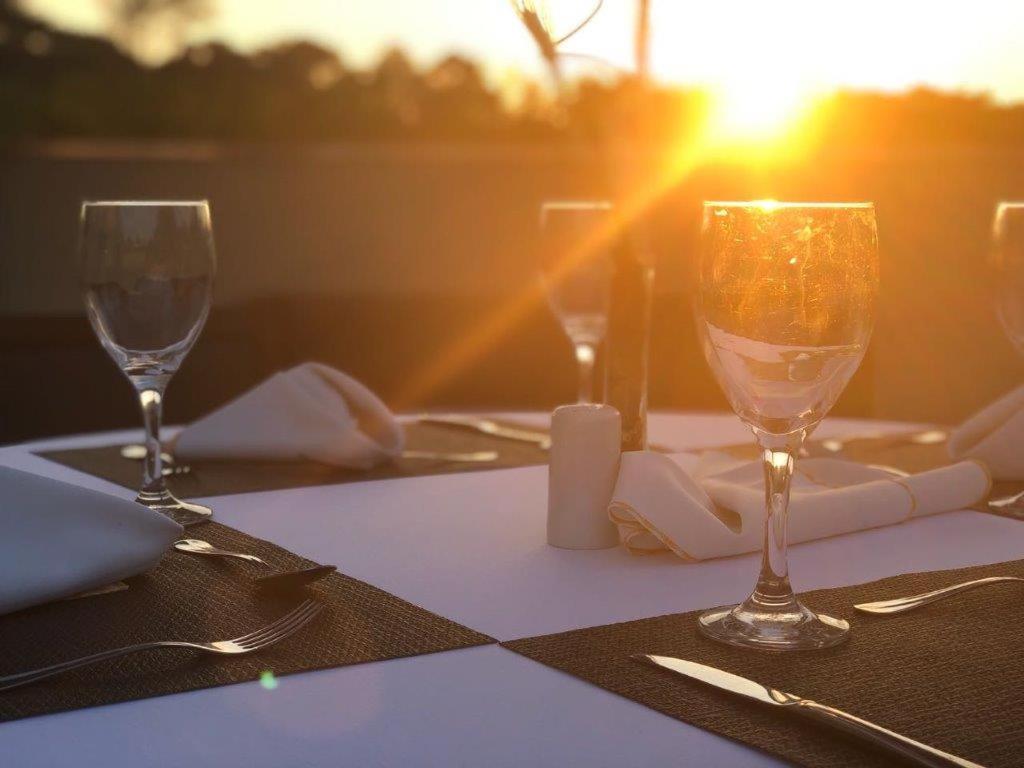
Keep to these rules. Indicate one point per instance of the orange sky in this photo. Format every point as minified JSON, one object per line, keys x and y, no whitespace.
{"x":747,"y":48}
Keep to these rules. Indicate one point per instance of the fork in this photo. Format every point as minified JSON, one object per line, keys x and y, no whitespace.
{"x":273,"y":633}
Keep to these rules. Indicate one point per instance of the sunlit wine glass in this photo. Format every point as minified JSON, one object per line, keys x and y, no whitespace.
{"x":785,"y":309}
{"x":147,"y":274}
{"x":1007,"y":263}
{"x":1008,"y":266}
{"x":576,"y":273}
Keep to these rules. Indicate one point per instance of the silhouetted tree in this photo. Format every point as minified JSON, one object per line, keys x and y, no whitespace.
{"x":55,"y":84}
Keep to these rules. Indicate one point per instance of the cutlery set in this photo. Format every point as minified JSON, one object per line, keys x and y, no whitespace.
{"x":296,"y":619}
{"x":275,"y":632}
{"x":270,"y":580}
{"x":912,"y":751}
{"x":902,"y":746}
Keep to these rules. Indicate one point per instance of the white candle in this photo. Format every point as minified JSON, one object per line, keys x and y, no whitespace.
{"x":585,"y":449}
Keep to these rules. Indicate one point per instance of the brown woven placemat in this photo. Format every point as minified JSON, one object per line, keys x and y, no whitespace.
{"x":949,"y":674}
{"x":188,"y":597}
{"x":218,"y":478}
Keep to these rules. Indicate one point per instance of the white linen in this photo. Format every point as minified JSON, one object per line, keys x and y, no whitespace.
{"x":718,"y":511}
{"x":472,"y":547}
{"x":309,"y":412}
{"x":994,"y":435}
{"x":59,"y":539}
{"x":484,"y":706}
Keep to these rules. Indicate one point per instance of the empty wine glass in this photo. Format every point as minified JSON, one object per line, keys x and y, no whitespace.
{"x":576,"y":272}
{"x":1007,"y":261}
{"x":785,"y":311}
{"x":147,"y":274}
{"x":1008,"y":266}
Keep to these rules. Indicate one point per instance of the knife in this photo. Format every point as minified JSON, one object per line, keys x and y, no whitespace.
{"x":914,"y":751}
{"x":489,"y":427}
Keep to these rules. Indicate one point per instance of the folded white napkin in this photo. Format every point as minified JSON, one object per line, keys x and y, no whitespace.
{"x":59,"y":539}
{"x":310,"y":412}
{"x":718,"y":510}
{"x":995,"y":436}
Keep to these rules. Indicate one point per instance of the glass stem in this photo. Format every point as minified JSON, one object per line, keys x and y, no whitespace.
{"x":151,"y":401}
{"x":585,"y":361}
{"x":773,"y":590}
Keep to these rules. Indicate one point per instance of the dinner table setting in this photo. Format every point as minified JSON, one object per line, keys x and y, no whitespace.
{"x":303,"y":576}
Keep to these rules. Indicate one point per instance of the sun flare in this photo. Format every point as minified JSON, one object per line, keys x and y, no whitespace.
{"x":756,"y":111}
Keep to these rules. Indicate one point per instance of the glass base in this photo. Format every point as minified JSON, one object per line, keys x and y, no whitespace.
{"x":791,"y":627}
{"x":184,"y":513}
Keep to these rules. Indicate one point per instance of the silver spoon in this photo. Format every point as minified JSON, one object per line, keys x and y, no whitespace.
{"x":284,"y":580}
{"x":1013,"y":505}
{"x":903,"y":604}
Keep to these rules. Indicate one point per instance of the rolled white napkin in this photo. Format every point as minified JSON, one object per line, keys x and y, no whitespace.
{"x":310,"y":412}
{"x":59,"y":539}
{"x":995,"y":436}
{"x":718,"y":510}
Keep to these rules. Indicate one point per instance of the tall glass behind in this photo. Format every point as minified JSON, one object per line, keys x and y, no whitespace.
{"x":147,"y":273}
{"x":576,"y":239}
{"x":785,"y":312}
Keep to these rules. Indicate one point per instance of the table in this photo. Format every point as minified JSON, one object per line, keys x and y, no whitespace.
{"x":470,"y":547}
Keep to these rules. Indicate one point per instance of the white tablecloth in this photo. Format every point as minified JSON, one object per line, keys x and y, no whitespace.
{"x":469,"y":547}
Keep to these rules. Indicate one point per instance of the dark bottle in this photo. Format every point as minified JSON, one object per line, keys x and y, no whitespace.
{"x":628,"y":339}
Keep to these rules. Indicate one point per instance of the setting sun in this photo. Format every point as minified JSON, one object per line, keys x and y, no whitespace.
{"x":757,"y":110}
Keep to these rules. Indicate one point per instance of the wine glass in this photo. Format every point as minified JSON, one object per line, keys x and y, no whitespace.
{"x":147,"y":274}
{"x":1007,"y":262}
{"x":1008,"y":266}
{"x":576,"y":270}
{"x":785,"y":311}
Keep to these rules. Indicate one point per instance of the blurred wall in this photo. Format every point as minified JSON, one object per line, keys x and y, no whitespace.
{"x":385,"y":259}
